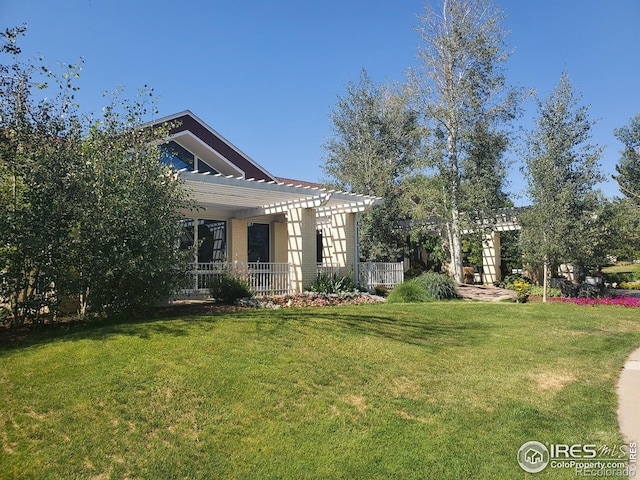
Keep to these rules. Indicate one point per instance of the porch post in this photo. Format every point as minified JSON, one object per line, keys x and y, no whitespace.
{"x":343,"y":236}
{"x":491,"y":260}
{"x":279,"y":243}
{"x":301,"y":239}
{"x":238,"y":239}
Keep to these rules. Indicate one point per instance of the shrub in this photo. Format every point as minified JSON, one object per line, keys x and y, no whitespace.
{"x":522,"y":289}
{"x":509,"y":280}
{"x":381,"y":290}
{"x":438,"y":285}
{"x":413,"y":273}
{"x":410,"y":291}
{"x":537,"y":290}
{"x":332,"y":284}
{"x":227,"y":288}
{"x":617,"y":277}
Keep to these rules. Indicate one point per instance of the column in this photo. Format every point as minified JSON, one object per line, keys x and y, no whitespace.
{"x":238,"y":238}
{"x":491,"y":258}
{"x":301,"y":242}
{"x":279,"y":245}
{"x":343,"y":238}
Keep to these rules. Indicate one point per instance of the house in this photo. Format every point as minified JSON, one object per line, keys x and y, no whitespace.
{"x":533,"y":456}
{"x":280,"y":231}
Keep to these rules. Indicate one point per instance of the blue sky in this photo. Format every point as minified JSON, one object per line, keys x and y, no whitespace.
{"x":265,"y":75}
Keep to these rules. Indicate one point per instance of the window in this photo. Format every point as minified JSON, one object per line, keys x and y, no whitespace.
{"x":212,"y":238}
{"x":175,"y":154}
{"x":318,"y":246}
{"x":204,"y":167}
{"x":178,"y":156}
{"x":258,"y":242}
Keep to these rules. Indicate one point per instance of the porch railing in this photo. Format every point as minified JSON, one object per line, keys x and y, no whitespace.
{"x":273,"y":278}
{"x":328,"y":269}
{"x":263,"y":278}
{"x":376,"y":274}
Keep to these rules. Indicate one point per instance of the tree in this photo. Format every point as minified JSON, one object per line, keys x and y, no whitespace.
{"x":628,"y":169}
{"x":625,"y":226}
{"x":561,"y":170}
{"x":39,"y":145}
{"x":86,"y":207}
{"x":460,"y":88}
{"x":373,"y":148}
{"x":126,"y":255}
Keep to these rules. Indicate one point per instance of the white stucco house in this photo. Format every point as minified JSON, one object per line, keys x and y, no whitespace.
{"x":279,"y":232}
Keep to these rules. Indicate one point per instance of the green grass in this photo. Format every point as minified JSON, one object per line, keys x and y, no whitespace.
{"x":438,"y":390}
{"x":623,"y":267}
{"x":631,"y":269}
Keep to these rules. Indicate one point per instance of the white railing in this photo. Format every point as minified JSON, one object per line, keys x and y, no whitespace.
{"x":271,"y":278}
{"x":328,"y":269}
{"x":376,"y":274}
{"x":263,"y":278}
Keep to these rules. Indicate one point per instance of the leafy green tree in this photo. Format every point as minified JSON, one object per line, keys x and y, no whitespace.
{"x":126,"y":254}
{"x":625,"y":229}
{"x":461,"y":90}
{"x":628,"y":168}
{"x":87,"y":208}
{"x":373,"y":148}
{"x":562,"y":170}
{"x":39,"y":145}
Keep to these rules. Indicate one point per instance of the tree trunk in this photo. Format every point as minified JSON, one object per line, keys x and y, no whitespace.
{"x":545,"y":275}
{"x":456,"y":246}
{"x":456,"y":242}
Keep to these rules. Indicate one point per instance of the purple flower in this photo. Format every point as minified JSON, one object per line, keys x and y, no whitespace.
{"x":623,"y":301}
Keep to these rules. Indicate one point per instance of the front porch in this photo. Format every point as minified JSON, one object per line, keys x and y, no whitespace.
{"x":269,"y":230}
{"x":274,"y":278}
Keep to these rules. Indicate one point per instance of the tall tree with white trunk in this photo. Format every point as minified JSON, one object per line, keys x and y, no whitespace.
{"x":461,"y":90}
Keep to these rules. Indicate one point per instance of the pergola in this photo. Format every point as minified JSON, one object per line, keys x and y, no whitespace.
{"x":297,"y":210}
{"x":237,"y":197}
{"x":502,"y":220}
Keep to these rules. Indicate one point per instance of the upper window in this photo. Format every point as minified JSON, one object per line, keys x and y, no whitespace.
{"x":178,"y":156}
{"x":175,"y":154}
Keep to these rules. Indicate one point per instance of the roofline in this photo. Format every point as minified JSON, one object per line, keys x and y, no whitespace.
{"x":273,"y":186}
{"x":189,"y":113}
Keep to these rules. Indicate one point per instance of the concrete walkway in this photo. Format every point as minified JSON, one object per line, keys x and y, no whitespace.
{"x":629,"y":399}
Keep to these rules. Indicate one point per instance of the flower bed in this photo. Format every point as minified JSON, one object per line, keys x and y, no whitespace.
{"x":621,"y":301}
{"x":310,"y":299}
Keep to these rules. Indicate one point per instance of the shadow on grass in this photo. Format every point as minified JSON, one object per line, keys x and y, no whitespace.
{"x":396,"y":325}
{"x":154,"y":322}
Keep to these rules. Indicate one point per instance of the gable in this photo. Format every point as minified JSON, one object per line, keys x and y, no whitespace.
{"x":218,"y":154}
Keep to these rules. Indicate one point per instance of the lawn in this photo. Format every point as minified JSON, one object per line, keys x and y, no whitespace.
{"x":440,"y":390}
{"x":624,"y":267}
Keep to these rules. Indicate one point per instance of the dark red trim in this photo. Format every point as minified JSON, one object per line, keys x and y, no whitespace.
{"x":186,"y":122}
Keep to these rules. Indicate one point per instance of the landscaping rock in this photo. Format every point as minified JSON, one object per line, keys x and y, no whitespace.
{"x":486,"y":293}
